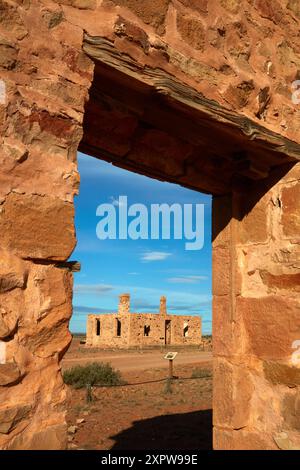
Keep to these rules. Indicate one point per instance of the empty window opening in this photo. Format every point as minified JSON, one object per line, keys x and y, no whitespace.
{"x":185,"y":329}
{"x":129,"y":329}
{"x":97,"y":327}
{"x":119,"y":327}
{"x":146,"y":330}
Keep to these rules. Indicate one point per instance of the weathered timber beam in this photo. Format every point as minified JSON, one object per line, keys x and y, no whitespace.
{"x":72,"y":266}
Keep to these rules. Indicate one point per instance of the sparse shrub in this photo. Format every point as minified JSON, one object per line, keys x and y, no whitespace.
{"x":168,"y":386}
{"x":201,"y":373}
{"x":95,"y":373}
{"x":89,"y":394}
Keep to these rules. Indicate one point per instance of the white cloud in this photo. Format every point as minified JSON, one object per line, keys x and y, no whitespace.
{"x":187,"y":279}
{"x":84,"y":310}
{"x":146,"y":298}
{"x":92,"y":288}
{"x":116,"y":202}
{"x":134,"y":274}
{"x":94,"y":167}
{"x":155,"y":256}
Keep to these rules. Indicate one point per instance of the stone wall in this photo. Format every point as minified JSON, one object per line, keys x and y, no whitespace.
{"x":242,"y":54}
{"x":256,"y":285}
{"x":141,"y":329}
{"x":108,"y":331}
{"x":133,"y":330}
{"x":157,"y":335}
{"x":44,"y":82}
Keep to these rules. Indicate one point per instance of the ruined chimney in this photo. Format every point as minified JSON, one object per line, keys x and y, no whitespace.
{"x":124,"y":304}
{"x":163,"y":305}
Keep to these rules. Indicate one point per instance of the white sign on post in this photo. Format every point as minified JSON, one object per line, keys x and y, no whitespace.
{"x":170,"y":355}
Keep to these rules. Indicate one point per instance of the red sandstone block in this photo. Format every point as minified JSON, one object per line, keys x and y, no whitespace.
{"x":44,"y":326}
{"x":270,"y":10}
{"x":280,"y":373}
{"x":221,"y":279}
{"x":251,"y":211}
{"x":35,"y":226}
{"x":223,"y":343}
{"x":228,"y":329}
{"x":290,"y":219}
{"x":9,"y":374}
{"x":294,"y":6}
{"x":232,"y":6}
{"x":232,"y":394}
{"x":223,"y":392}
{"x":289,"y":282}
{"x":271,"y":324}
{"x":291,"y":410}
{"x":200,"y":6}
{"x":40,"y":437}
{"x":151,"y":12}
{"x":227,"y":439}
{"x":192,"y":31}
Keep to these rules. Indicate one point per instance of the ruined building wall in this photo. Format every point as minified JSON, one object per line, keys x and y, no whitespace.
{"x":193,"y":325}
{"x":132,"y":330}
{"x":157,"y":329}
{"x":156,"y":334}
{"x":125,"y":329}
{"x":256,"y":285}
{"x":244,"y":55}
{"x":108,"y":331}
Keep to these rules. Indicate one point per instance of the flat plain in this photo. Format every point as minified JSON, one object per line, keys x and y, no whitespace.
{"x":148,"y":412}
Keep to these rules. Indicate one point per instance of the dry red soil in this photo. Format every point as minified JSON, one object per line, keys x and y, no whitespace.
{"x":144,"y":413}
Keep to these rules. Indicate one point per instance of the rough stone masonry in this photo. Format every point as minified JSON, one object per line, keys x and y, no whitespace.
{"x":195,"y":92}
{"x":125,"y":329}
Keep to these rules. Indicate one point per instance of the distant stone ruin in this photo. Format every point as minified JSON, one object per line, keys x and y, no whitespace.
{"x":124,"y":329}
{"x":194,"y":92}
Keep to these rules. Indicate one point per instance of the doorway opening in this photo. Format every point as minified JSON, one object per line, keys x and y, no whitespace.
{"x":147,"y":135}
{"x":168,"y":332}
{"x":158,"y":284}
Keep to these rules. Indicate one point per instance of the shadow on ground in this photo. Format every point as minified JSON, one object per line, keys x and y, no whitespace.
{"x":188,"y":431}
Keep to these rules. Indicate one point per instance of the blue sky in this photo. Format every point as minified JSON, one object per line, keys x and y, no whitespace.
{"x":146,"y":269}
